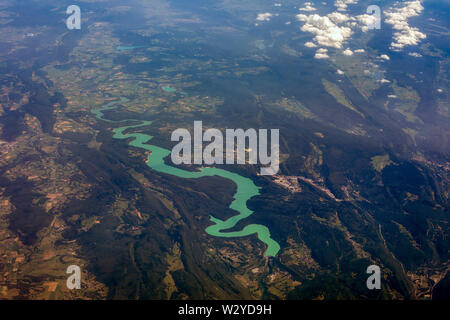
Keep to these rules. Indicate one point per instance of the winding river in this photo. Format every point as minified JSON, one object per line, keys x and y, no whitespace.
{"x":246,"y":189}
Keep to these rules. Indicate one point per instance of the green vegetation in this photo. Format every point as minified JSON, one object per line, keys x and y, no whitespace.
{"x":380,"y":162}
{"x":339,"y":95}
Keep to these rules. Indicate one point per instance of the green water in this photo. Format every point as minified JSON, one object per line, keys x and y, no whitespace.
{"x":246,"y":189}
{"x":168,"y":89}
{"x":122,"y":48}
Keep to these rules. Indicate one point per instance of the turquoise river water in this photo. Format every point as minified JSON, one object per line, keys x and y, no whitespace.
{"x":246,"y":189}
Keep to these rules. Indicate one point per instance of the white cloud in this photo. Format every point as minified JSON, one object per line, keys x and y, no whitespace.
{"x":366,"y":20}
{"x":392,"y":96}
{"x":415,"y":54}
{"x":334,"y":29}
{"x":340,"y":72}
{"x":384,"y":81}
{"x":341,"y":5}
{"x":348,"y":52}
{"x":398,"y":18}
{"x":384,"y":57}
{"x":308,"y":7}
{"x":327,"y":33}
{"x":338,"y":17}
{"x":264,"y":16}
{"x":321,"y":54}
